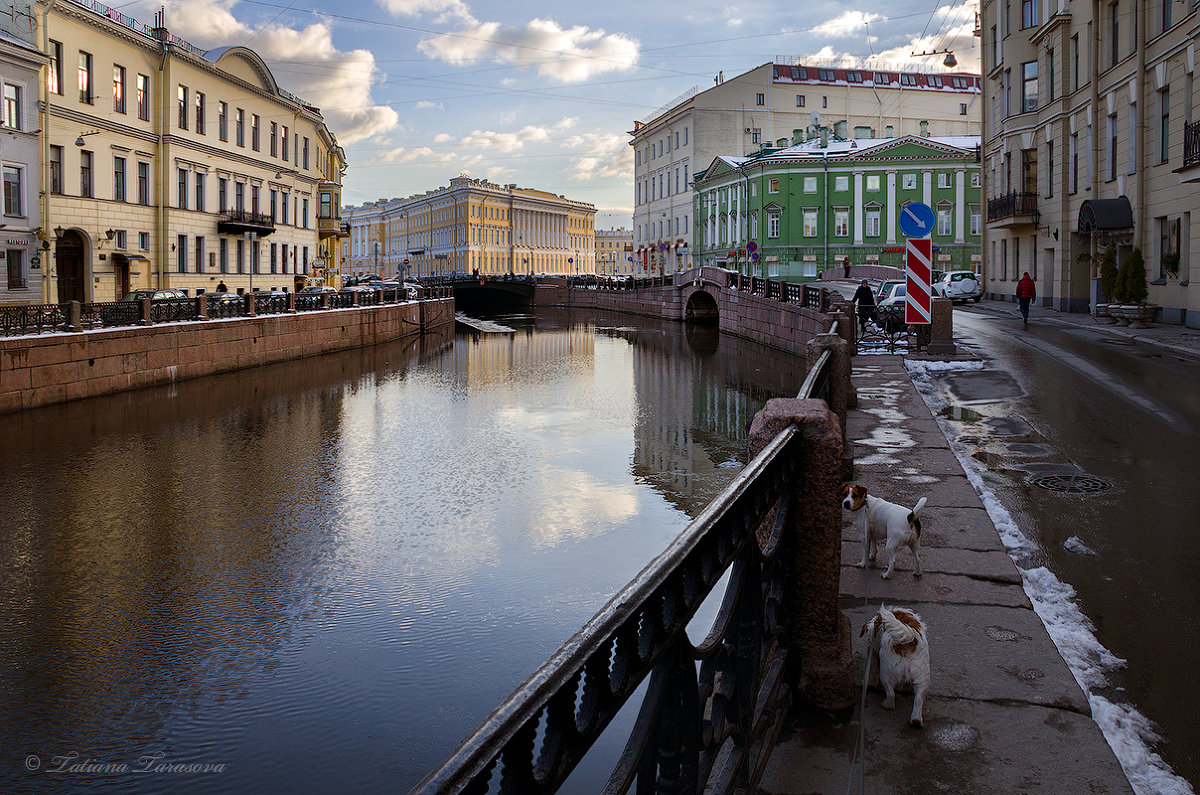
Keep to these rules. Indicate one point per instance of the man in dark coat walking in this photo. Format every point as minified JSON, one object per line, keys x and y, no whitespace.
{"x":864,"y":300}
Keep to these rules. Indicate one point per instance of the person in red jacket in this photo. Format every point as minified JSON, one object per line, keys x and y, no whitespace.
{"x":1026,"y":292}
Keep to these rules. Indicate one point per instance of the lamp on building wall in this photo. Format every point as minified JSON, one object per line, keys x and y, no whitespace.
{"x":279,"y":174}
{"x":949,"y":61}
{"x":1035,"y":215}
{"x":58,"y":231}
{"x":82,"y":135}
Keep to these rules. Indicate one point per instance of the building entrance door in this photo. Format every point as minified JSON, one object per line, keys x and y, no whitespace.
{"x":68,"y":256}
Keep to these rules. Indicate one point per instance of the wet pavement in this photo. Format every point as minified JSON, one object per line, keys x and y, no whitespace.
{"x":1004,"y":712}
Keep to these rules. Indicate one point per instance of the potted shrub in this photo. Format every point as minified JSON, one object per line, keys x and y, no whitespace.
{"x":1133,"y":290}
{"x":1108,"y":283}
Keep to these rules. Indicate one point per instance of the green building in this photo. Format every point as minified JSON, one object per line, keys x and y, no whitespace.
{"x":790,"y":212}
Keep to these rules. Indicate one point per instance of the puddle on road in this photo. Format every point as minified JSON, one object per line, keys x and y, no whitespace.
{"x":962,"y":414}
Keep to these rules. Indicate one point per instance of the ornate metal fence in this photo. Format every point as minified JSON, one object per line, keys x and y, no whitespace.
{"x":32,"y":319}
{"x":173,"y":310}
{"x":226,"y":307}
{"x":309,"y":302}
{"x":886,"y":332}
{"x":270,"y":304}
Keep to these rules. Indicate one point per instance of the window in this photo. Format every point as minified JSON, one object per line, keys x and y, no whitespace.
{"x":1073,"y":163}
{"x":283,"y":209}
{"x":56,"y":173}
{"x":143,"y":97}
{"x":1029,"y":86}
{"x":908,"y":181}
{"x":119,"y":179}
{"x":181,"y":194}
{"x":223,"y":121}
{"x":222,"y":194}
{"x":824,"y":102}
{"x":240,"y":127}
{"x":306,"y":151}
{"x":854,"y":76}
{"x":1112,"y":147}
{"x":1075,"y":63}
{"x":755,"y":135}
{"x":183,"y":107}
{"x":200,"y":113}
{"x":283,"y":142}
{"x":810,"y":184}
{"x":12,"y":191}
{"x":305,"y":217}
{"x":239,"y":197}
{"x":760,"y":99}
{"x":772,"y":225}
{"x":881,"y":78}
{"x":54,"y":73}
{"x":1030,"y":17}
{"x":85,"y":174}
{"x":962,"y":109}
{"x":810,"y":222}
{"x":16,"y":269}
{"x":841,"y":182}
{"x":1049,"y":169}
{"x":143,"y":178}
{"x":199,"y":253}
{"x":254,"y":144}
{"x":943,"y":179}
{"x":976,"y":221}
{"x":908,"y":79}
{"x":241,"y":255}
{"x":841,"y":222}
{"x":181,"y":252}
{"x":1050,"y":75}
{"x":1164,"y":126}
{"x":799,"y":100}
{"x":200,"y":192}
{"x":274,"y":139}
{"x":872,"y":225}
{"x":143,"y":241}
{"x":1115,"y":32}
{"x":273,"y":201}
{"x":118,"y":88}
{"x":254,"y":190}
{"x":223,"y":254}
{"x":773,"y":185}
{"x":85,"y":77}
{"x":12,"y":106}
{"x":945,"y":226}
{"x":873,"y":182}
{"x":1029,"y":171}
{"x":826,"y":74}
{"x":933,"y":81}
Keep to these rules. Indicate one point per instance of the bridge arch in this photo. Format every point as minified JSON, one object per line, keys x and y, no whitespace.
{"x":701,"y":307}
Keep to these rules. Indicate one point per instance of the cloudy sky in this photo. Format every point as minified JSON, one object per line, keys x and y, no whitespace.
{"x":538,"y":94}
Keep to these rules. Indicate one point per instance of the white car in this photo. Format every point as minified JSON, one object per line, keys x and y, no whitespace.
{"x":959,"y":286}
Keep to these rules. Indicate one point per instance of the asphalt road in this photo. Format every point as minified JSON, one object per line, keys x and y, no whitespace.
{"x":1092,"y":437}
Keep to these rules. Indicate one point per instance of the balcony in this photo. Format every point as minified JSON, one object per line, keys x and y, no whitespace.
{"x":238,"y":222}
{"x":1190,"y":171}
{"x":1014,"y":209}
{"x":332,"y":227}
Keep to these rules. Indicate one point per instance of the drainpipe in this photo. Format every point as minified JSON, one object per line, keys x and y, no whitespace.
{"x":161,"y":35}
{"x":1093,"y":269}
{"x":1140,"y":21}
{"x":44,"y":90}
{"x":825,"y":185}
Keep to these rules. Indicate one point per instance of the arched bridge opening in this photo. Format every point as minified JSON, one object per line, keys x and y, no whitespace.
{"x":701,"y":307}
{"x":492,"y":296}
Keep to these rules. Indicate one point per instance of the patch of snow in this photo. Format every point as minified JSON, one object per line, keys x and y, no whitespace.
{"x":1076,"y":546}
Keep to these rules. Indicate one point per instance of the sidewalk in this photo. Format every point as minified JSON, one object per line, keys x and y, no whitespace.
{"x":1004,"y":713}
{"x":1178,"y":339}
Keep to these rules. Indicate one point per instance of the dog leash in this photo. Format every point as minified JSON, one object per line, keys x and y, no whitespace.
{"x":860,"y":748}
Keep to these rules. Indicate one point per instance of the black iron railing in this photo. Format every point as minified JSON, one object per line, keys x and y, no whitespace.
{"x":31,"y":319}
{"x":174,"y":310}
{"x":270,"y":304}
{"x":1012,"y":204}
{"x":1191,"y":144}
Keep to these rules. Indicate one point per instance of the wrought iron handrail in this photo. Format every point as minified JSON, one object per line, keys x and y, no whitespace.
{"x":1011,"y":204}
{"x":738,"y":690}
{"x":1191,"y":143}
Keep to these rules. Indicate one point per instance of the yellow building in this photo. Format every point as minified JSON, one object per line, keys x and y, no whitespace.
{"x":614,"y":251}
{"x":475,"y":226}
{"x":168,"y":166}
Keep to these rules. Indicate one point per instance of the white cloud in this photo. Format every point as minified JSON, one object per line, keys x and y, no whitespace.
{"x":425,"y":103}
{"x":849,"y":23}
{"x":732,"y":20}
{"x":512,"y":141}
{"x":304,"y":61}
{"x":568,"y":55}
{"x":956,"y":33}
{"x":608,"y":156}
{"x":441,"y":8}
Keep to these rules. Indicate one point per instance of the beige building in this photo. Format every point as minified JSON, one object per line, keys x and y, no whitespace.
{"x":764,"y":105}
{"x":169,"y":166}
{"x":1091,"y":138}
{"x":614,"y":251}
{"x":474,"y":226}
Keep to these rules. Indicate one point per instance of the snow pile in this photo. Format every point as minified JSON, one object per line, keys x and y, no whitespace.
{"x":1075,"y":545}
{"x":1128,"y":732}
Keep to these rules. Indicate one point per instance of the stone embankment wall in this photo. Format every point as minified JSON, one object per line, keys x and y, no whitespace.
{"x":45,"y":369}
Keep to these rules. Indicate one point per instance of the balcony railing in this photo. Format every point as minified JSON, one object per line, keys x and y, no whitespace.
{"x":1191,"y":144}
{"x":236,"y":222}
{"x":1012,"y":205}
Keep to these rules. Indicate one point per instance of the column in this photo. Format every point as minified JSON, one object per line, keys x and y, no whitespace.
{"x":858,"y":208}
{"x":892,"y":209}
{"x":927,"y":187}
{"x":960,"y":205}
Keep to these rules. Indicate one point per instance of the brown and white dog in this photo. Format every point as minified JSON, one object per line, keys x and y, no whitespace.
{"x":881,"y":521}
{"x":897,"y":639}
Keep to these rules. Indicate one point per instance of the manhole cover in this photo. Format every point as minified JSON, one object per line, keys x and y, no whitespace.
{"x":1072,"y":484}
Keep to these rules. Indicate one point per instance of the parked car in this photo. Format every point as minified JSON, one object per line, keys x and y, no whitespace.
{"x":129,"y":313}
{"x":886,"y":289}
{"x":162,"y":294}
{"x":889,"y":311}
{"x":317,"y":289}
{"x":959,"y":286}
{"x":222,"y":297}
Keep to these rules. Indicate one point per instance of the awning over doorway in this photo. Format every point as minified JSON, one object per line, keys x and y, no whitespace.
{"x":1105,"y":215}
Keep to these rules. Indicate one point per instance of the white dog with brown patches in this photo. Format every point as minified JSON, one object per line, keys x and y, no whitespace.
{"x":881,"y":521}
{"x":898,"y":642}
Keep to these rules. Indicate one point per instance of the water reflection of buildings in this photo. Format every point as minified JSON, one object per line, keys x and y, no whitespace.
{"x":496,"y":358}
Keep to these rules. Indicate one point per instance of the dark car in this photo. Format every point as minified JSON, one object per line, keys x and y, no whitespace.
{"x":161,"y":294}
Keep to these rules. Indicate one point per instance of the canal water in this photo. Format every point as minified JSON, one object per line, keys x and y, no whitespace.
{"x":321,"y":575}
